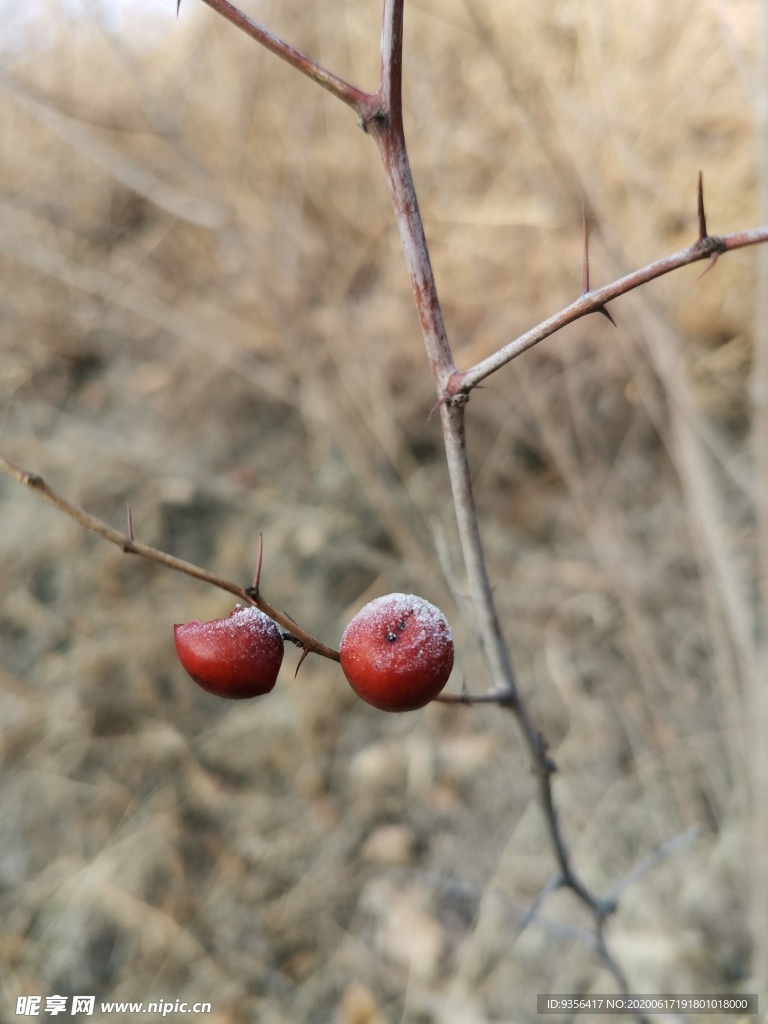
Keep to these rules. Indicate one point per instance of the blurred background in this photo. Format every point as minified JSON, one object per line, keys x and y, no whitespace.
{"x":204,"y":313}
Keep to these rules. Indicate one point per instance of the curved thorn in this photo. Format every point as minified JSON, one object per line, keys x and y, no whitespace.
{"x":606,"y":314}
{"x":436,"y":406}
{"x":700,"y":209}
{"x":304,"y":654}
{"x":714,"y":257}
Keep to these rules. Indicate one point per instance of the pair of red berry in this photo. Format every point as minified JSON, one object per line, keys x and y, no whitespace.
{"x":397,"y":653}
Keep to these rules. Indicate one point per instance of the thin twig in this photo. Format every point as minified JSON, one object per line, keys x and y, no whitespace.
{"x":130,"y":546}
{"x":464,"y":380}
{"x":613,"y":966}
{"x":504,"y":698}
{"x":524,"y":915}
{"x":654,"y":858}
{"x":360,"y":101}
{"x":532,"y":912}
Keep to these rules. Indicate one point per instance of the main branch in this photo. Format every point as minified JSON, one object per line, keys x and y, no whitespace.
{"x":386,"y":126}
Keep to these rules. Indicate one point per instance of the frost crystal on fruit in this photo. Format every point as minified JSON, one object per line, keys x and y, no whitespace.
{"x":397,"y":652}
{"x":236,"y":657}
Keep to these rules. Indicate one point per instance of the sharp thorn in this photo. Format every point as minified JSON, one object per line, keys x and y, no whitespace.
{"x":713,"y":258}
{"x":129,"y":523}
{"x":289,"y":616}
{"x":606,"y":314}
{"x":585,"y":263}
{"x":257,"y":572}
{"x":178,"y":7}
{"x":436,"y":406}
{"x":700,"y":209}
{"x":304,"y":654}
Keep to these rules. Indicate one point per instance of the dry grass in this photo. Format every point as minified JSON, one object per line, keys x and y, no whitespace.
{"x":205,"y":313}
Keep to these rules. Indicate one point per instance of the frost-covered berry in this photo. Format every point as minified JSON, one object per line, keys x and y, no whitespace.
{"x":397,"y":652}
{"x":235,"y":657}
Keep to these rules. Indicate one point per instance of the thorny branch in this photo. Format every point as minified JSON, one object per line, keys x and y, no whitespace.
{"x":250,"y":595}
{"x":127,"y":543}
{"x":710,"y":247}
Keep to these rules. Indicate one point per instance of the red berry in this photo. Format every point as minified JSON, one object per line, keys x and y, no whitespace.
{"x":235,"y":657}
{"x":397,"y":653}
